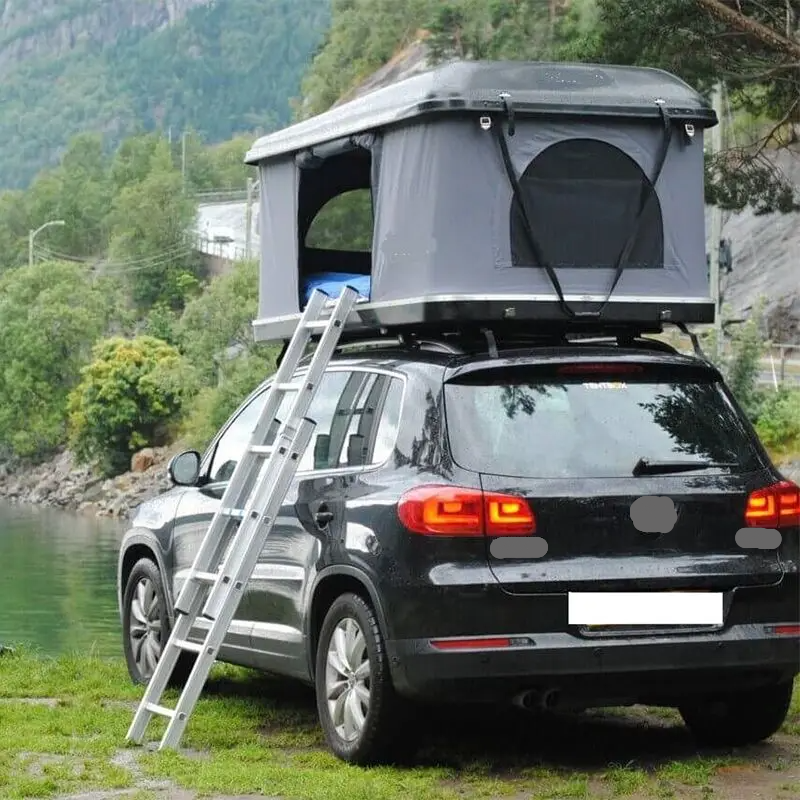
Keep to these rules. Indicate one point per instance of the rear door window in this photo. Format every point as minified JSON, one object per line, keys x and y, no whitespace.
{"x":521,"y":422}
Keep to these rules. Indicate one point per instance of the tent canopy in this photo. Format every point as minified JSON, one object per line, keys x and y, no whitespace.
{"x":532,"y":191}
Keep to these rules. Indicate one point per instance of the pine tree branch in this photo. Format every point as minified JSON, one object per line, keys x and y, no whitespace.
{"x":766,"y":35}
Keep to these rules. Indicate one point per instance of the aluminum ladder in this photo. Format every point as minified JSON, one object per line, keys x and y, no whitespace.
{"x":254,"y":495}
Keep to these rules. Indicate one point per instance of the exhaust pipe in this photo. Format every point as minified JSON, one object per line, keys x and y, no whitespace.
{"x":534,"y":700}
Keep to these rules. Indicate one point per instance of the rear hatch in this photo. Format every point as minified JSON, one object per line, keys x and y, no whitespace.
{"x":582,"y":440}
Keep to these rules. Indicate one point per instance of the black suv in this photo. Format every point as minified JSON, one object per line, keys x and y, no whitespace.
{"x":456,"y":500}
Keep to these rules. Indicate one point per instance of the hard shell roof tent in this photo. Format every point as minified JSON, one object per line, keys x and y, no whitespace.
{"x":539,"y":194}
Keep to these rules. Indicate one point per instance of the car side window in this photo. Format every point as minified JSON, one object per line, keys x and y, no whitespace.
{"x":234,"y":441}
{"x":331,"y":409}
{"x":373,"y":425}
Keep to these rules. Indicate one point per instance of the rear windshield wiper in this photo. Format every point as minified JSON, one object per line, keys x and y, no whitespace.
{"x":646,"y":467}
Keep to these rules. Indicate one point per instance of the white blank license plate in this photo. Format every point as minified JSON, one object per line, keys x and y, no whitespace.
{"x":645,"y":608}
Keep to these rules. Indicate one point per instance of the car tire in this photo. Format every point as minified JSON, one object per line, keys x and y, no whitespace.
{"x":359,"y":711}
{"x":739,"y":718}
{"x":146,"y":625}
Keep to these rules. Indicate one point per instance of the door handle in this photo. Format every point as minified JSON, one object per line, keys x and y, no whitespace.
{"x":323,"y":517}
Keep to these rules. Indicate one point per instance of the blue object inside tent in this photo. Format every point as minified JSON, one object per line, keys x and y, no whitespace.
{"x":332,"y":284}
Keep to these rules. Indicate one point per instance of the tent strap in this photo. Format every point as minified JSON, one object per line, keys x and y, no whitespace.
{"x":622,"y":261}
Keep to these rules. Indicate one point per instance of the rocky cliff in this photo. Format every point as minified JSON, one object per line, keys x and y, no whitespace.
{"x":53,"y":28}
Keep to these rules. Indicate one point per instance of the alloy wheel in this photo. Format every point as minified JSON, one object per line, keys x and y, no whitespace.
{"x":145,"y":627}
{"x":347,"y":679}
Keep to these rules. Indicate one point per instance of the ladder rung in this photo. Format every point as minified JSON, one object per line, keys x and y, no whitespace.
{"x":204,"y":577}
{"x":163,"y":711}
{"x":317,"y":325}
{"x":288,"y":387}
{"x":261,"y":449}
{"x":191,"y":647}
{"x":237,"y":513}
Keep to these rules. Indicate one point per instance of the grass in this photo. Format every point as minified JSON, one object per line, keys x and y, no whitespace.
{"x":63,"y":724}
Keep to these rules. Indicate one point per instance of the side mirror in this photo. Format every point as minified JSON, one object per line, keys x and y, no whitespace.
{"x":184,"y":469}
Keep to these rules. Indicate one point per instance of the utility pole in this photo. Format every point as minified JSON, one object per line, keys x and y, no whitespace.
{"x":183,"y":158}
{"x":717,"y":144}
{"x":32,"y":235}
{"x":252,"y":186}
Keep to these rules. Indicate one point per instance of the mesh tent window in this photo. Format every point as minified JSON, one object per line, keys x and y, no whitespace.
{"x":583,"y":197}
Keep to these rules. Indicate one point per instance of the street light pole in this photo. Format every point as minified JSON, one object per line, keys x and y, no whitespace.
{"x":32,"y":236}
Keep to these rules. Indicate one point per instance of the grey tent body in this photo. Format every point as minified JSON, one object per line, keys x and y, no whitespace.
{"x":546,"y":194}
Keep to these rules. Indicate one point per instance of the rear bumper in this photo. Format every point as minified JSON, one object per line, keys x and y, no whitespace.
{"x":637,"y":669}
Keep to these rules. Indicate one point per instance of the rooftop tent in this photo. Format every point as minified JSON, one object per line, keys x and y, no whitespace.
{"x":539,"y":192}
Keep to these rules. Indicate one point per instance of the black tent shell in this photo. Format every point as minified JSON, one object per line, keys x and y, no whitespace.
{"x":537,"y":88}
{"x":503,"y":194}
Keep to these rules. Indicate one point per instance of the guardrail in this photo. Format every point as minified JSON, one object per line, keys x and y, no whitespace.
{"x":221,"y":196}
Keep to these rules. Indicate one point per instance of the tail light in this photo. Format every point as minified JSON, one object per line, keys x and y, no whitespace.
{"x":599,"y":369}
{"x":776,"y":506}
{"x":454,"y":511}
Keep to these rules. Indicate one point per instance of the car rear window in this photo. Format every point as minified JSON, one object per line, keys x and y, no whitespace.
{"x":517,"y":422}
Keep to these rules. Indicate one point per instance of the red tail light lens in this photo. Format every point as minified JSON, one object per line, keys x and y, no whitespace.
{"x":599,"y":369}
{"x":777,"y":506}
{"x":453,"y":511}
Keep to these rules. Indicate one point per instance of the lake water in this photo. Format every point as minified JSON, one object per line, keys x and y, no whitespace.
{"x":57,"y":581}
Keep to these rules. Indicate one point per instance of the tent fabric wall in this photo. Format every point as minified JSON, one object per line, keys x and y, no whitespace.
{"x":442,"y":212}
{"x":278,"y":278}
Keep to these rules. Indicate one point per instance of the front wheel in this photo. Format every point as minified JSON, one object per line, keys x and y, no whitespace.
{"x":738,"y":718}
{"x":146,"y":625}
{"x":359,"y":711}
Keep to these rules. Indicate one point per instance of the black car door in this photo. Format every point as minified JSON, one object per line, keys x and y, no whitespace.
{"x":313,"y":525}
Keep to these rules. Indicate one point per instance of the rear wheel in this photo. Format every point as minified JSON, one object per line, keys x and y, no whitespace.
{"x":740,"y":718}
{"x":146,"y":625}
{"x":359,"y":711}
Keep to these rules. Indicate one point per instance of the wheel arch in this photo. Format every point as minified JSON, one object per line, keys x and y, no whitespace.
{"x":140,"y":544}
{"x":328,"y":585}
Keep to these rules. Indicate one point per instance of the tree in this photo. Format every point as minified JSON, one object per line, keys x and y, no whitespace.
{"x":50,"y":315}
{"x":128,"y":397}
{"x":150,"y":222}
{"x":217,"y":324}
{"x":77,"y":191}
{"x":752,"y":46}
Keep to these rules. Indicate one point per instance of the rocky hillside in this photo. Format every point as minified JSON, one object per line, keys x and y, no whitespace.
{"x":34,"y":29}
{"x":117,"y":66}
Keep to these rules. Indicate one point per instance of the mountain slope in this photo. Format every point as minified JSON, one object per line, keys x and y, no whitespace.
{"x":117,"y":66}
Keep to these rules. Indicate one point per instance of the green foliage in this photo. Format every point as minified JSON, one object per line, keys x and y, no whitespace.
{"x":363,"y":35}
{"x":475,"y":29}
{"x":50,"y":316}
{"x":227,"y":67}
{"x":778,"y":421}
{"x":220,"y":319}
{"x":129,"y":396}
{"x":149,"y":222}
{"x":213,"y":405}
{"x":740,"y":365}
{"x":682,"y":37}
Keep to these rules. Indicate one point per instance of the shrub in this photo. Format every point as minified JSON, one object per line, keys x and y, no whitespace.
{"x":129,"y":397}
{"x":778,"y":422}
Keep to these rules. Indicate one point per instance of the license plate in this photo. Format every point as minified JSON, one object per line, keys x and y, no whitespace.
{"x":604,"y":609}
